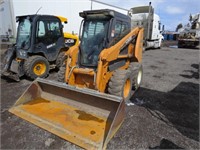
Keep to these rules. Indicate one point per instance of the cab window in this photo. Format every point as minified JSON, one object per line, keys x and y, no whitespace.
{"x":41,"y":29}
{"x":48,"y":32}
{"x":121,"y":29}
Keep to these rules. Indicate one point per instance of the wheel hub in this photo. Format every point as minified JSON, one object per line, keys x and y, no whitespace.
{"x":127,"y":88}
{"x":139,"y":77}
{"x":39,"y":69}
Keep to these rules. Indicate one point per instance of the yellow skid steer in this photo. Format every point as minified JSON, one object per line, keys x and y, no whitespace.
{"x":88,"y":106}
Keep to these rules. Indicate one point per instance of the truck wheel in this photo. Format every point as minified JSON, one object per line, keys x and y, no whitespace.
{"x":180,"y":46}
{"x":120,"y":84}
{"x":36,"y":66}
{"x":60,"y":59}
{"x":137,"y":74}
{"x":61,"y":74}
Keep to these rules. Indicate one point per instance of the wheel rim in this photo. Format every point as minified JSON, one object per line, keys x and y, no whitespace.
{"x":39,"y":68}
{"x":127,"y":88}
{"x":139,"y":77}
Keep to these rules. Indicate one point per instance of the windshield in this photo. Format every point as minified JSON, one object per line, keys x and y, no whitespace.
{"x":93,"y":41}
{"x":24,"y":32}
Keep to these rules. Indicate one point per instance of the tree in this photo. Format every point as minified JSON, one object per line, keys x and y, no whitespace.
{"x":179,"y":26}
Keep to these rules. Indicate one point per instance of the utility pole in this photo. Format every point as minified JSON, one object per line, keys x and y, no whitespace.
{"x":91,"y":4}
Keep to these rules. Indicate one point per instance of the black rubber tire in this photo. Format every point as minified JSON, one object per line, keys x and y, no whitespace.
{"x":60,"y":59}
{"x":180,"y":46}
{"x":117,"y":83}
{"x":31,"y":62}
{"x":136,"y":70}
{"x":61,"y":73}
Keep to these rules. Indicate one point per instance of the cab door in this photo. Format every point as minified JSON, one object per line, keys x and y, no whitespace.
{"x":49,"y":38}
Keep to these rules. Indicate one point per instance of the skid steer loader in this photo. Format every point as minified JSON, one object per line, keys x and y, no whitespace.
{"x":40,"y":46}
{"x":88,"y":106}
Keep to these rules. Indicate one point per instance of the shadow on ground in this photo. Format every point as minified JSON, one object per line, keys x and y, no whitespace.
{"x":178,"y":108}
{"x":194,"y":72}
{"x":166,"y":144}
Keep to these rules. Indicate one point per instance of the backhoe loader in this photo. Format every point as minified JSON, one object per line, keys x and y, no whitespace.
{"x":88,"y":106}
{"x":40,"y":46}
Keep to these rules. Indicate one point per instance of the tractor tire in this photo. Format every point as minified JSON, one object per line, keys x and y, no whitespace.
{"x":120,"y":84}
{"x":60,"y":59}
{"x":61,"y":74}
{"x":137,"y":73}
{"x":36,"y":66}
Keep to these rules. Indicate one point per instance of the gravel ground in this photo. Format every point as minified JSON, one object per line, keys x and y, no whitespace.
{"x":162,"y":114}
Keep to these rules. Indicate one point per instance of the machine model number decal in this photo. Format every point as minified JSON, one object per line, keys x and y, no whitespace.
{"x":51,"y":45}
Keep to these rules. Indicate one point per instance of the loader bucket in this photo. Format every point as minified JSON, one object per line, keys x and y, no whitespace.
{"x":84,"y":117}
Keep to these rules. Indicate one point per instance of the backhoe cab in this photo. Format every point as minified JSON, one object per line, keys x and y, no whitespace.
{"x":40,"y":46}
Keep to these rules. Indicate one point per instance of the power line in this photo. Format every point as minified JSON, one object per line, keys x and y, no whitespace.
{"x":107,"y":5}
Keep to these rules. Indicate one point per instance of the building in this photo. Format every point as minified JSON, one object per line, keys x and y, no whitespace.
{"x":7,"y":17}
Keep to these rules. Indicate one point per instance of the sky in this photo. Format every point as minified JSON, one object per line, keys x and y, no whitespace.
{"x":171,"y":12}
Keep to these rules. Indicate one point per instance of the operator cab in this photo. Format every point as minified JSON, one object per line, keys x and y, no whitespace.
{"x":101,"y":29}
{"x":39,"y":34}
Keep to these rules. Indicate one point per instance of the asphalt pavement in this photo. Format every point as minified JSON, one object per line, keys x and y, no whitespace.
{"x":162,"y":114}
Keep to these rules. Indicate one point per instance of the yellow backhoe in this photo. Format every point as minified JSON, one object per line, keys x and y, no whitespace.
{"x":40,"y":46}
{"x":98,"y":77}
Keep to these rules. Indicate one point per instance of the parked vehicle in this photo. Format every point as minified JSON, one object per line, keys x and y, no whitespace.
{"x":189,"y":37}
{"x":40,"y":46}
{"x":145,"y":17}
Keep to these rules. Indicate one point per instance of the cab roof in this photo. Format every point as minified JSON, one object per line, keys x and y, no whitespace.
{"x":106,"y":12}
{"x":32,"y":17}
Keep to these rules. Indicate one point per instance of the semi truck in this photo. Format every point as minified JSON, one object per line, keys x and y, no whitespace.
{"x":145,"y":17}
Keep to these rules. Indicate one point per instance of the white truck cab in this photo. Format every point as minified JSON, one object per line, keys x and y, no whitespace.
{"x":145,"y":17}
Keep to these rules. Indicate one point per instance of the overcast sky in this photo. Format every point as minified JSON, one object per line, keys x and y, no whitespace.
{"x":171,"y":12}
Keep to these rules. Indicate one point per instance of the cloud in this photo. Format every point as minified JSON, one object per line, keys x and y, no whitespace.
{"x":174,"y":10}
